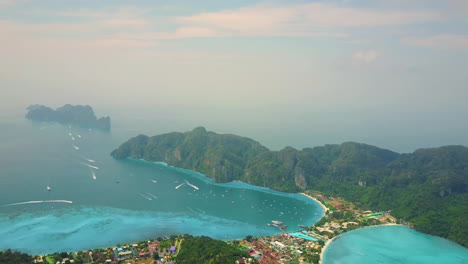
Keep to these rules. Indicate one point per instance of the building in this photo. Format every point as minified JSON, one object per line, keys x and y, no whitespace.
{"x":153,"y":246}
{"x":173,"y":250}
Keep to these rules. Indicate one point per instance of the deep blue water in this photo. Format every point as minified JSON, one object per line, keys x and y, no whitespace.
{"x":393,"y":245}
{"x":129,"y":200}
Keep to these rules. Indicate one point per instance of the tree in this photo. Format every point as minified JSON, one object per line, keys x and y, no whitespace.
{"x":156,"y":255}
{"x":10,"y":256}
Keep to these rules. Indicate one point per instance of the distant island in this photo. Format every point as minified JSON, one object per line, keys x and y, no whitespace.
{"x":77,"y":115}
{"x":428,"y":187}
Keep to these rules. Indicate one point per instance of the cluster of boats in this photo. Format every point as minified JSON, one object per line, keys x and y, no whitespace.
{"x":278,"y":224}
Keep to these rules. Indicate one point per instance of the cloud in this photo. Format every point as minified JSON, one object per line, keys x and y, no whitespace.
{"x":5,"y":3}
{"x":127,"y":12}
{"x":445,"y":41}
{"x":135,"y":27}
{"x":316,"y":19}
{"x":366,"y":56}
{"x":292,"y":20}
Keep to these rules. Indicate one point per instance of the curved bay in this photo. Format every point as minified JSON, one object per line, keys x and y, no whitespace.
{"x":119,"y":201}
{"x":392,"y":245}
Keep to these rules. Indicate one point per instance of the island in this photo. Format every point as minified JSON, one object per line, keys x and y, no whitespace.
{"x":76,"y":115}
{"x":427,"y":188}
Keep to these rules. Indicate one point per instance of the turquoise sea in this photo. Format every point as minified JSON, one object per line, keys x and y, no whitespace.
{"x":97,"y":201}
{"x":132,"y":200}
{"x":393,"y":245}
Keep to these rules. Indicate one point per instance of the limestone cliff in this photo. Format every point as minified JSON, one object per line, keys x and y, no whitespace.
{"x":79,"y":115}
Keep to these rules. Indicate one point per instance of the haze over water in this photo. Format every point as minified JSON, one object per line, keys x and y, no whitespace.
{"x":118,"y":201}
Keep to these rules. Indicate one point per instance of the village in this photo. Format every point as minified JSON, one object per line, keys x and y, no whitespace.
{"x":304,"y":246}
{"x":153,"y":251}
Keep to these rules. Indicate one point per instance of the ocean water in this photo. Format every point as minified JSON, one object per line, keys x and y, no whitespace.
{"x":393,"y":245}
{"x":97,"y":201}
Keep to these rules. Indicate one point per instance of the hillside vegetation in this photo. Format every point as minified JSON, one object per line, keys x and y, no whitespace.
{"x":428,"y":187}
{"x":205,"y":250}
{"x":79,"y":115}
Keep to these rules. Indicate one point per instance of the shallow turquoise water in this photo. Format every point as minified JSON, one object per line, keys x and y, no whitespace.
{"x":393,"y":245}
{"x":129,"y":200}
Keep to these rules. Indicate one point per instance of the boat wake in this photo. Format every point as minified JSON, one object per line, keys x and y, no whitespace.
{"x":147,"y":198}
{"x":37,"y":202}
{"x":75,"y":147}
{"x":191,"y":185}
{"x":90,"y":160}
{"x":191,"y":210}
{"x":93,"y":174}
{"x":180,"y":185}
{"x":155,"y":197}
{"x":91,"y":166}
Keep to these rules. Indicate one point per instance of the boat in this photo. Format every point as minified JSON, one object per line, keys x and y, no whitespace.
{"x":302,"y":226}
{"x":180,"y":185}
{"x":48,"y":188}
{"x":277,"y":222}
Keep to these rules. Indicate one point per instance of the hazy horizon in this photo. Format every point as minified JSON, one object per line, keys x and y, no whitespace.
{"x":285,"y":73}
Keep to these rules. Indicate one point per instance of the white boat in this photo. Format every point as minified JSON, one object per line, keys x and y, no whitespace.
{"x":94,"y":175}
{"x":48,"y":188}
{"x":75,"y":147}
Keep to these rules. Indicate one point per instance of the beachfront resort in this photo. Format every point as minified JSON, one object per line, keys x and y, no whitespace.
{"x":308,"y":244}
{"x":303,"y":246}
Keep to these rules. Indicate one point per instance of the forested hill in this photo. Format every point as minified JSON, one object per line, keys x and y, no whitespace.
{"x":79,"y":115}
{"x":428,"y":187}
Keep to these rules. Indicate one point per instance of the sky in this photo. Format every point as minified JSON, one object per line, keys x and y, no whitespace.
{"x":391,"y":73}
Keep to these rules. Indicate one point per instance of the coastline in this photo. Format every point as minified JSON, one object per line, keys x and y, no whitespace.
{"x":324,"y":248}
{"x":315,"y":199}
{"x":232,"y":184}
